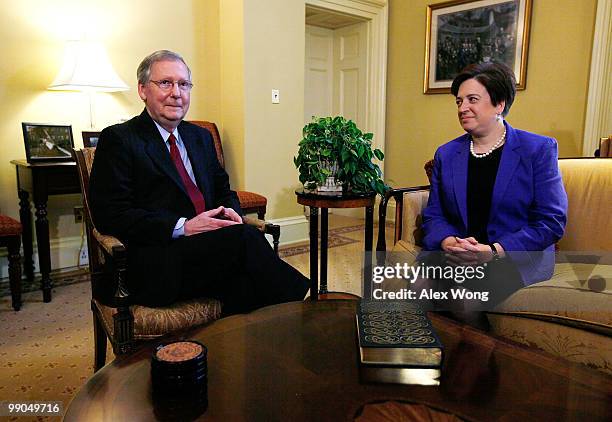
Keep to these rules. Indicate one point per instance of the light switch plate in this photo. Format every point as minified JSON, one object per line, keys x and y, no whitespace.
{"x":275,"y":96}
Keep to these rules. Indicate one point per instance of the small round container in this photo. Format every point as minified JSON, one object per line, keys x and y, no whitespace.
{"x":179,"y":368}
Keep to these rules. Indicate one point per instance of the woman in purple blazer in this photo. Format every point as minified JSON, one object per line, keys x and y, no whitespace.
{"x":496,"y":192}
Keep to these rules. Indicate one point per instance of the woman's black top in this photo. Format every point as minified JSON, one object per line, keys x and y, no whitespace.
{"x":481,"y":179}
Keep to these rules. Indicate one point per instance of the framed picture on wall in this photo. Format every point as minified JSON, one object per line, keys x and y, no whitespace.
{"x":90,"y":139}
{"x":47,"y":142}
{"x":463,"y":32}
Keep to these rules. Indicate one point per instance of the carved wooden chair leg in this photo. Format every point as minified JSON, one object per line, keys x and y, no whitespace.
{"x":124,"y":331}
{"x":14,"y":269}
{"x":99,"y":341}
{"x":123,"y":320}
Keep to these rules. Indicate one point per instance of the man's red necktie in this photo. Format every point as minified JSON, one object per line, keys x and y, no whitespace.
{"x":192,"y":190}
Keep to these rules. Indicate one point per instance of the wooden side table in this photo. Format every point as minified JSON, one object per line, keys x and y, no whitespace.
{"x":41,"y":180}
{"x":324,"y":201}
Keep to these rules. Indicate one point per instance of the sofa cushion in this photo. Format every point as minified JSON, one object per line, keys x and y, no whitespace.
{"x":578,"y":295}
{"x":405,"y":246}
{"x":403,"y":252}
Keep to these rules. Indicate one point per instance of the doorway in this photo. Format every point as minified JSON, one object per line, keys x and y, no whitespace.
{"x":335,"y":72}
{"x":346,"y":62}
{"x":345,"y":65}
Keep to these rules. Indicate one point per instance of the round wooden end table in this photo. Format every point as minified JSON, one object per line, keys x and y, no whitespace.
{"x":324,"y":201}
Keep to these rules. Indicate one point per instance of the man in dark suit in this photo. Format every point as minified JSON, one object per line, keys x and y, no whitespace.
{"x":156,"y":185}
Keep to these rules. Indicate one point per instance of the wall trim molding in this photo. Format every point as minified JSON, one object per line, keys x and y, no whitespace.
{"x":64,"y":254}
{"x":376,"y":12}
{"x":293,"y":229}
{"x":598,"y":120}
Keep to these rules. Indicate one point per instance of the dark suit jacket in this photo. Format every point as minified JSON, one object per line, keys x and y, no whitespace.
{"x":528,"y":206}
{"x":138,"y":196}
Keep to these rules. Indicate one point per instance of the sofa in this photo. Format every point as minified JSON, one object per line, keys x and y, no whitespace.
{"x":569,"y":315}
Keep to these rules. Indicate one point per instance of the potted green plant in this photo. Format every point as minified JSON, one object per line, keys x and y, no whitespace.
{"x":334,"y":150}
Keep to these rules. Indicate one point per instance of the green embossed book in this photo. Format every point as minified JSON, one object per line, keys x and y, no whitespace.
{"x":396,"y":333}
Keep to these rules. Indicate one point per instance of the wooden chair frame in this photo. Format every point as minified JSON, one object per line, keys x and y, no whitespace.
{"x":397,"y":195}
{"x":108,"y":268}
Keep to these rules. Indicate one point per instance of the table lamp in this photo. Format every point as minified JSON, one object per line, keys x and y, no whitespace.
{"x":86,"y":68}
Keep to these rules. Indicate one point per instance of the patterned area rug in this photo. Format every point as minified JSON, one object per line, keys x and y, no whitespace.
{"x":60,"y":278}
{"x":46,"y":349}
{"x":335,"y":239}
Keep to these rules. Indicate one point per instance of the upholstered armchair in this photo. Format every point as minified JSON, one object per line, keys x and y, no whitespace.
{"x":249,"y":201}
{"x":570,"y":314}
{"x":115,"y":317}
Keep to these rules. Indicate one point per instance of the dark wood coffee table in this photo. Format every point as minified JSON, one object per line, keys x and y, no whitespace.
{"x":298,"y":361}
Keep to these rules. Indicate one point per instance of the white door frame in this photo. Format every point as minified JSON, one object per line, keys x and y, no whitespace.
{"x":376,"y":13}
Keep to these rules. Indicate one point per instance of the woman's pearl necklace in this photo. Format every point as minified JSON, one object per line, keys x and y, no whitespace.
{"x":493,"y":148}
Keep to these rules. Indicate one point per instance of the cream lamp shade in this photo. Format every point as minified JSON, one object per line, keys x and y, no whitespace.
{"x":86,"y":68}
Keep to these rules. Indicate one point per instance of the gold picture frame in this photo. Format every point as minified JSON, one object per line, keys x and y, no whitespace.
{"x":461,"y":32}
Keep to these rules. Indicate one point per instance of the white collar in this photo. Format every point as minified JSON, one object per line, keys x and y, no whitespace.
{"x":165,"y":134}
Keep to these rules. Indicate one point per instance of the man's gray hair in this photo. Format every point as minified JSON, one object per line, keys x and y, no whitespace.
{"x":144,"y":69}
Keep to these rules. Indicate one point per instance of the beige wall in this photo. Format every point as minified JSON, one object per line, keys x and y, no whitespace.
{"x":261,"y":47}
{"x":33,"y":34}
{"x":208,"y":57}
{"x":274,"y":58}
{"x":231,"y":81}
{"x":553,"y":104}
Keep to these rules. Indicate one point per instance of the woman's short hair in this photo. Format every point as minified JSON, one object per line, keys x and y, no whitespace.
{"x":143,"y":73}
{"x":497,"y":78}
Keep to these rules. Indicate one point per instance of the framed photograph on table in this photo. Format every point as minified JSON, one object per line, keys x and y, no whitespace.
{"x":47,"y":142}
{"x":90,"y":139}
{"x":463,"y":32}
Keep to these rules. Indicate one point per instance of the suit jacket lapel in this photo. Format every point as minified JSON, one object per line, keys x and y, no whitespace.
{"x":199,"y":161}
{"x":459,"y":176}
{"x":157,"y":150}
{"x":507,"y":166}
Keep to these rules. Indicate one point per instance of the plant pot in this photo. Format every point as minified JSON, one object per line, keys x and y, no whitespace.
{"x":335,"y":148}
{"x":330,"y":185}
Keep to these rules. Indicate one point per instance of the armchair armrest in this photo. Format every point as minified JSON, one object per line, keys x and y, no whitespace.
{"x":116,"y":252}
{"x":397,"y":195}
{"x":255,"y":222}
{"x":123,"y":320}
{"x":108,"y":243}
{"x":266,"y":228}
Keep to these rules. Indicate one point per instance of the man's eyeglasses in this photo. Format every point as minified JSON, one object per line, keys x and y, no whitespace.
{"x":166,"y":85}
